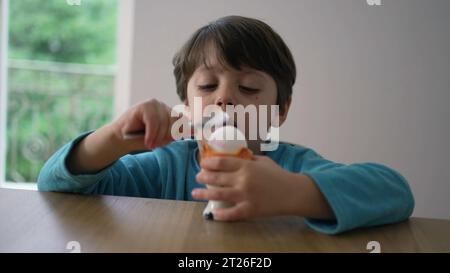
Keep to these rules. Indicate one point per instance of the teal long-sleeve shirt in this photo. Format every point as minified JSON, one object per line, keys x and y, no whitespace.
{"x":360,"y":195}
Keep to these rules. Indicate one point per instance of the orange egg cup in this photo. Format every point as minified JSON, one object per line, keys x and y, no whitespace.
{"x":208,"y":151}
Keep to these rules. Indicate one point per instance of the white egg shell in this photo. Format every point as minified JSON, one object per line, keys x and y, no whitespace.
{"x":227,"y":139}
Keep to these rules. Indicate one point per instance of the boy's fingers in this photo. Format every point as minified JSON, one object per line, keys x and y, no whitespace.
{"x":215,"y":178}
{"x":260,"y":157}
{"x":218,"y":194}
{"x":239,"y":211}
{"x":222,"y":163}
{"x":164,"y":123}
{"x":172,"y":120}
{"x":151,"y":127}
{"x":133,"y":122}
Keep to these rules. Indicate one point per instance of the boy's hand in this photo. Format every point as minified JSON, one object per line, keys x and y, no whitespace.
{"x":107,"y":144}
{"x":152,"y":117}
{"x":257,"y":187}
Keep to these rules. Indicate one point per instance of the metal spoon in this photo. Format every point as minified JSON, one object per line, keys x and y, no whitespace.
{"x":218,"y":119}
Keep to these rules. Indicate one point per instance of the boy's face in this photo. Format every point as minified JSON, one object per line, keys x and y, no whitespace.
{"x":222,"y":86}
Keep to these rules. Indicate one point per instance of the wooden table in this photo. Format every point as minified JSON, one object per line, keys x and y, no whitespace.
{"x":33,"y":221}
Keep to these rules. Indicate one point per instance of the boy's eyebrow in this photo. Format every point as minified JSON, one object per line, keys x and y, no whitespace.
{"x":255,"y":72}
{"x":220,"y":69}
{"x":209,"y":68}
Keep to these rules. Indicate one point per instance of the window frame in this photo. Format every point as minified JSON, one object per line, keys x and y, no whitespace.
{"x":4,"y":28}
{"x":4,"y":4}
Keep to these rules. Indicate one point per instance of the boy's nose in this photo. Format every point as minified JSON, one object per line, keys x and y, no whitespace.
{"x":225,"y":95}
{"x":223,"y":102}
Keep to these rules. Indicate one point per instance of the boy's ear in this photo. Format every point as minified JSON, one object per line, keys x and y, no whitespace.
{"x":284,"y":113}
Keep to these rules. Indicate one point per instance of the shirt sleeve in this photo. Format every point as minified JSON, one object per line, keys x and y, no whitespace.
{"x":360,"y":195}
{"x":132,"y":175}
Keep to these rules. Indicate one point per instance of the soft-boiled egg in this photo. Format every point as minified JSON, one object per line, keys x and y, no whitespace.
{"x":226,"y":141}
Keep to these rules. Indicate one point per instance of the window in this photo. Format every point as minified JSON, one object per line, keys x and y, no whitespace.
{"x":58,"y":78}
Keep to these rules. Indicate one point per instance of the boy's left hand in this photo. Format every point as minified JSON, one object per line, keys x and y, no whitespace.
{"x":257,"y":187}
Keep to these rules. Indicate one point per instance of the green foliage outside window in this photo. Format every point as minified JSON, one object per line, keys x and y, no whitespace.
{"x":61,"y":77}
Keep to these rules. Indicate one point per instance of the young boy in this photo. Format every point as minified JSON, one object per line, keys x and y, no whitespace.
{"x":231,"y":61}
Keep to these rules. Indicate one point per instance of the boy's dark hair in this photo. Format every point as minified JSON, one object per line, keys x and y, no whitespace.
{"x":238,"y":41}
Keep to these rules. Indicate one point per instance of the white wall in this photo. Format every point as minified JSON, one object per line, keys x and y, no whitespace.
{"x":373,"y":82}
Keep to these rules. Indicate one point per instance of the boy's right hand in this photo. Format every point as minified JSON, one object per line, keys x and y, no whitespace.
{"x":152,"y":117}
{"x":107,"y":144}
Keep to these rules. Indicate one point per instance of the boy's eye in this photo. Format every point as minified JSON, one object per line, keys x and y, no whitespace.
{"x":207,"y":86}
{"x":248,"y":89}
